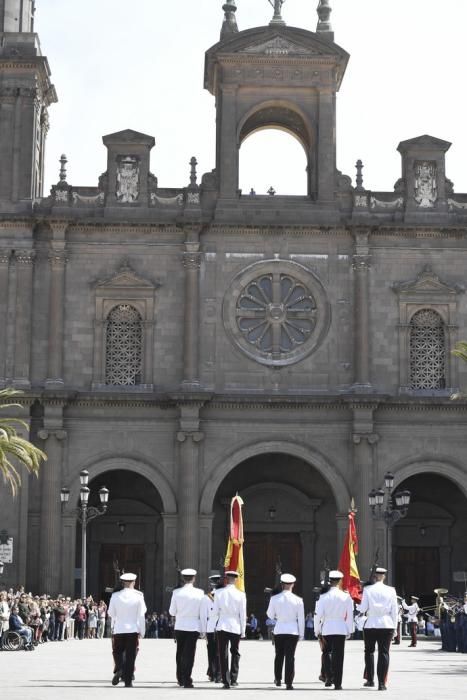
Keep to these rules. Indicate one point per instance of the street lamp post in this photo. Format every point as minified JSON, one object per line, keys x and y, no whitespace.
{"x":85,"y":514}
{"x":388,"y":506}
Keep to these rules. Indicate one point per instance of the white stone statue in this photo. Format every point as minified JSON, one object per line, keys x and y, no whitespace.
{"x":426,"y":189}
{"x":127,"y":179}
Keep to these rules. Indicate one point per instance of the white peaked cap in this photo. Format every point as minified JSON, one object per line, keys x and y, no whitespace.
{"x":232,"y":573}
{"x":189,"y":572}
{"x":288,"y":578}
{"x":381,"y":570}
{"x":336,"y":574}
{"x":128,"y":577}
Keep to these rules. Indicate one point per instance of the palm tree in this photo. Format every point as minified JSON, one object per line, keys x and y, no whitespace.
{"x":15,"y":450}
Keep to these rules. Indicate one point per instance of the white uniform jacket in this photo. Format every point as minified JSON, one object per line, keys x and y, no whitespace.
{"x":127,"y":609}
{"x":288,"y":611}
{"x":379,"y":602}
{"x":334,"y":613}
{"x":208,"y":620}
{"x":230,"y":610}
{"x":185,"y":607}
{"x":411,"y":610}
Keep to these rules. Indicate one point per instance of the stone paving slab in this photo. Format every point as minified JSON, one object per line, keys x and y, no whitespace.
{"x":78,"y":670}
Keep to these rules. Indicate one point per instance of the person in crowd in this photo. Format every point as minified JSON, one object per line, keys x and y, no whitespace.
{"x":101,"y":618}
{"x":185,"y":607}
{"x":16,"y":624}
{"x":309,"y":627}
{"x":127,"y":611}
{"x":80,"y":616}
{"x":287,"y":610}
{"x":92,"y":621}
{"x":379,"y":603}
{"x":230,"y":611}
{"x":4,"y":614}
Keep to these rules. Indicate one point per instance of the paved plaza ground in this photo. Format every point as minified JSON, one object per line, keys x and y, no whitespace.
{"x":83,"y":670}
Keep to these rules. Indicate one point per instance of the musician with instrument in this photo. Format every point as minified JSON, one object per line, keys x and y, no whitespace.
{"x":412,"y":611}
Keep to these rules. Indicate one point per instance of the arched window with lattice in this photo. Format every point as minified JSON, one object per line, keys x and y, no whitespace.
{"x":123,"y":346}
{"x":427,"y":350}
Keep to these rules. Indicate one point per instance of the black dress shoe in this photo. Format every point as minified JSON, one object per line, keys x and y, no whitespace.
{"x":381,"y":686}
{"x":289,"y":686}
{"x":188,"y":685}
{"x":328,"y":684}
{"x":337,"y":687}
{"x":233,"y":684}
{"x":226,"y":686}
{"x":369,"y":684}
{"x":116,"y":678}
{"x":278,"y":683}
{"x":128,"y":685}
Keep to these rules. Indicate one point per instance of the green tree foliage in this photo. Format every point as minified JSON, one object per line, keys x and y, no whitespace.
{"x":15,"y":451}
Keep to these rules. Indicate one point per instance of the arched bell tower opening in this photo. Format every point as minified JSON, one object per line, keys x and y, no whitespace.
{"x":276,"y":147}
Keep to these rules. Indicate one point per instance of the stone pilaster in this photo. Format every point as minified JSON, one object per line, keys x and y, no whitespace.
{"x":4,"y":276}
{"x":364,"y":441}
{"x":191,"y":263}
{"x":57,"y":260}
{"x":189,"y":438}
{"x":326,"y":146}
{"x":23,"y":316}
{"x":50,"y":512}
{"x":361,"y":265}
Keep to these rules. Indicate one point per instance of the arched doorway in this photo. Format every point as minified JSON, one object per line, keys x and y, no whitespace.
{"x":289,"y":515}
{"x":429,"y":544}
{"x":128,"y":537}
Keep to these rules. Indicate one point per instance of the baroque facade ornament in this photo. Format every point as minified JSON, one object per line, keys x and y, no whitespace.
{"x":191,"y":260}
{"x":425,"y":185}
{"x":127,"y":190}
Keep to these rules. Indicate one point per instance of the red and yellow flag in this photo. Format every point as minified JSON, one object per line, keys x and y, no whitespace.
{"x":234,"y":555}
{"x":348,"y":562}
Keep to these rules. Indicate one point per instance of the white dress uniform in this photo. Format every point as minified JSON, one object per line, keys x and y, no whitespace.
{"x":334,"y":621}
{"x":126,"y":610}
{"x":379,"y":603}
{"x":185,"y":606}
{"x":287,"y":610}
{"x":208,"y":622}
{"x":412,"y":611}
{"x":230,"y":613}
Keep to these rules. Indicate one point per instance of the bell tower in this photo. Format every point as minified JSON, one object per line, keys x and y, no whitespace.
{"x":280,"y":77}
{"x":25,"y":95}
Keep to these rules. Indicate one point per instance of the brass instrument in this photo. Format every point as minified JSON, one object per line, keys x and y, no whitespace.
{"x":450,"y":604}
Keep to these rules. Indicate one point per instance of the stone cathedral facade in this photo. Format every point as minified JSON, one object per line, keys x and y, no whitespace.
{"x":185,"y":344}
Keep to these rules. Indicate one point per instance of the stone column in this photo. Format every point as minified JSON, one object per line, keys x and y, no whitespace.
{"x":191,"y":263}
{"x":361,"y":266}
{"x":227,"y":155}
{"x":51,"y":519}
{"x":4,"y":276}
{"x":188,"y":499}
{"x":57,"y":260}
{"x":364,"y":441}
{"x":23,"y":316}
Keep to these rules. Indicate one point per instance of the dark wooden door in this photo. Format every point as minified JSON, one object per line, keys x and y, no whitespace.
{"x":127,"y":557}
{"x":262,"y":550}
{"x":417,"y":570}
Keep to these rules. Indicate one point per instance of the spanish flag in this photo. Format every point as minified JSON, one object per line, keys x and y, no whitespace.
{"x":234,"y":556}
{"x":348,"y":563}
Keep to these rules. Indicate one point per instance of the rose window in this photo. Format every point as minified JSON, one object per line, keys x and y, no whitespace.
{"x":123,"y":357}
{"x":277,"y":316}
{"x":427,"y":351}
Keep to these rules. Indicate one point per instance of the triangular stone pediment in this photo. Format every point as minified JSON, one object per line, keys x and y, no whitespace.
{"x":127,"y":278}
{"x":128,"y":136}
{"x":279,"y":46}
{"x":427,"y":282}
{"x":424,"y":142}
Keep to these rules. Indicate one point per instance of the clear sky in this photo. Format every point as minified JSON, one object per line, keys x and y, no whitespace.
{"x":139,"y":64}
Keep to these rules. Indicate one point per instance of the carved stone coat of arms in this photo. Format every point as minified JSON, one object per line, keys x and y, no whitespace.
{"x":426,"y":189}
{"x":127,"y":190}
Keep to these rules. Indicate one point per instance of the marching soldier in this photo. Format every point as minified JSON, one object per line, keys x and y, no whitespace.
{"x":230,"y":612}
{"x":126,"y":609}
{"x":412,"y":611}
{"x":185,"y":606}
{"x":397,"y":638}
{"x":334,"y":621}
{"x":209,"y":623}
{"x":288,"y":611}
{"x":379,"y":602}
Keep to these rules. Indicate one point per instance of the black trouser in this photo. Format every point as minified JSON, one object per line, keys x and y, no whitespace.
{"x":186,"y":648}
{"x":223,"y":639}
{"x":285,"y":645}
{"x":333,"y":657}
{"x":213,"y":657}
{"x":124,"y":648}
{"x":413,"y":627}
{"x":383,"y":637}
